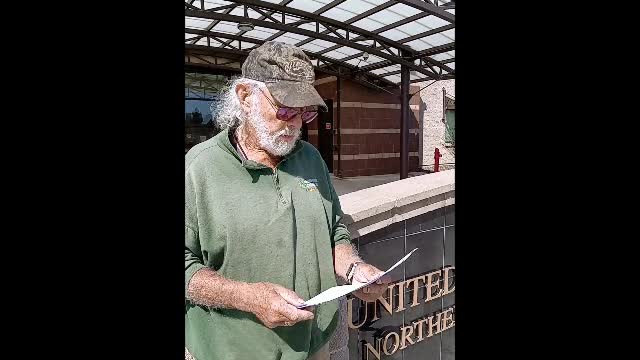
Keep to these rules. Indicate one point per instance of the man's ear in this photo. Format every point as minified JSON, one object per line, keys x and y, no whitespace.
{"x":243,"y":93}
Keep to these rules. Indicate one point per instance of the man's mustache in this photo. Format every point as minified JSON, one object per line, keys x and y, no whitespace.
{"x":288,"y":132}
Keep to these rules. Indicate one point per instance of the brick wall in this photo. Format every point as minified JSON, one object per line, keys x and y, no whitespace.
{"x":369,"y":129}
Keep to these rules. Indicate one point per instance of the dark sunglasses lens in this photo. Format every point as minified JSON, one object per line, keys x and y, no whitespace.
{"x":285,"y":114}
{"x":308,"y":116}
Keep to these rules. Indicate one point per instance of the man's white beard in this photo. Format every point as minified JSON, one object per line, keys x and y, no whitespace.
{"x":268,"y":141}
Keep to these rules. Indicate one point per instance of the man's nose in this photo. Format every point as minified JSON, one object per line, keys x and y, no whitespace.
{"x":296,"y":122}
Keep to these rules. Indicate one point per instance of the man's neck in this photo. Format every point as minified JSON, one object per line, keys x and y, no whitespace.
{"x":253,"y":151}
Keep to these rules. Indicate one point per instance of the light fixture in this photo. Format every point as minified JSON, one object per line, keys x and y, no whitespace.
{"x":364,"y":57}
{"x":245,"y":26}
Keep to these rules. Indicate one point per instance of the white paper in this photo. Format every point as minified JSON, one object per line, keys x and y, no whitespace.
{"x":340,"y":291}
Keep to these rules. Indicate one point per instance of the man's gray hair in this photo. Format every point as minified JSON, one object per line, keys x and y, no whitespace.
{"x":227,"y":109}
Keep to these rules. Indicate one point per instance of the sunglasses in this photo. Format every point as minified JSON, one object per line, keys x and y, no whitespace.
{"x":287,"y":113}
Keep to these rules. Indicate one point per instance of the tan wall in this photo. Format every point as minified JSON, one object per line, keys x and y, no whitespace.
{"x":434,"y":128}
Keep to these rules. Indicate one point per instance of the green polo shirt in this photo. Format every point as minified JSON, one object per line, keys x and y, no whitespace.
{"x":253,"y":224}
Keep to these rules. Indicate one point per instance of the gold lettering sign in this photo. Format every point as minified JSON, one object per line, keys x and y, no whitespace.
{"x":446,"y":316}
{"x":437,"y":284}
{"x":418,"y":326}
{"x":392,"y":289}
{"x":387,"y":305}
{"x":400,"y":296}
{"x":430,"y":284}
{"x":446,"y":272}
{"x":396,"y":340}
{"x":416,"y":285}
{"x":374,"y":350}
{"x":350,"y":314}
{"x":434,"y":324}
{"x":406,"y":336}
{"x":393,"y":341}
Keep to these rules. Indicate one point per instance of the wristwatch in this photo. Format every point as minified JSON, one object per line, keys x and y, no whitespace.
{"x":352,"y":271}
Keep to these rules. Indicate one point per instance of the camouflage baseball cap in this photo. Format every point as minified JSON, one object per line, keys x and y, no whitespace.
{"x":287,"y":72}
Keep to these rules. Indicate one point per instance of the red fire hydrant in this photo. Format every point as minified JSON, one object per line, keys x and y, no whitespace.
{"x":436,"y":158}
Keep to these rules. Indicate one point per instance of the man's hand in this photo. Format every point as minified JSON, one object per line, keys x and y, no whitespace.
{"x":274,"y":305}
{"x":364,"y":274}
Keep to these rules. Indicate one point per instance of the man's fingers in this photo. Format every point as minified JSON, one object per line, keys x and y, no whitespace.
{"x":365,"y":278}
{"x":281,"y":309}
{"x":293,"y":299}
{"x":367,"y":272}
{"x":374,"y":288}
{"x":303,"y":315}
{"x":278,"y":306}
{"x":291,"y":315}
{"x":361,"y":277}
{"x":299,"y":315}
{"x":377,"y":288}
{"x":289,"y":296}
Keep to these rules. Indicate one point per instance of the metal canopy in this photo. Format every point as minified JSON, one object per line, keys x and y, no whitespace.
{"x":367,"y":41}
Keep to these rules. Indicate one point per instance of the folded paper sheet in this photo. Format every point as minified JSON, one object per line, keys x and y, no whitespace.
{"x":340,"y":291}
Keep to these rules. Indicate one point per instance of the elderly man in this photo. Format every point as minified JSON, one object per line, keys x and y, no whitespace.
{"x":263,"y":227}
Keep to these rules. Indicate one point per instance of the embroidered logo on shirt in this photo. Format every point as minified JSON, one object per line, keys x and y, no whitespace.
{"x":309,"y":184}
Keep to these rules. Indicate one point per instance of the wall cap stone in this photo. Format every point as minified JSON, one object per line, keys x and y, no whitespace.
{"x":377,"y":207}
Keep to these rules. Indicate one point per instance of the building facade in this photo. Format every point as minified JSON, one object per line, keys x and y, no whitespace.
{"x":438,"y":130}
{"x":365,"y":140}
